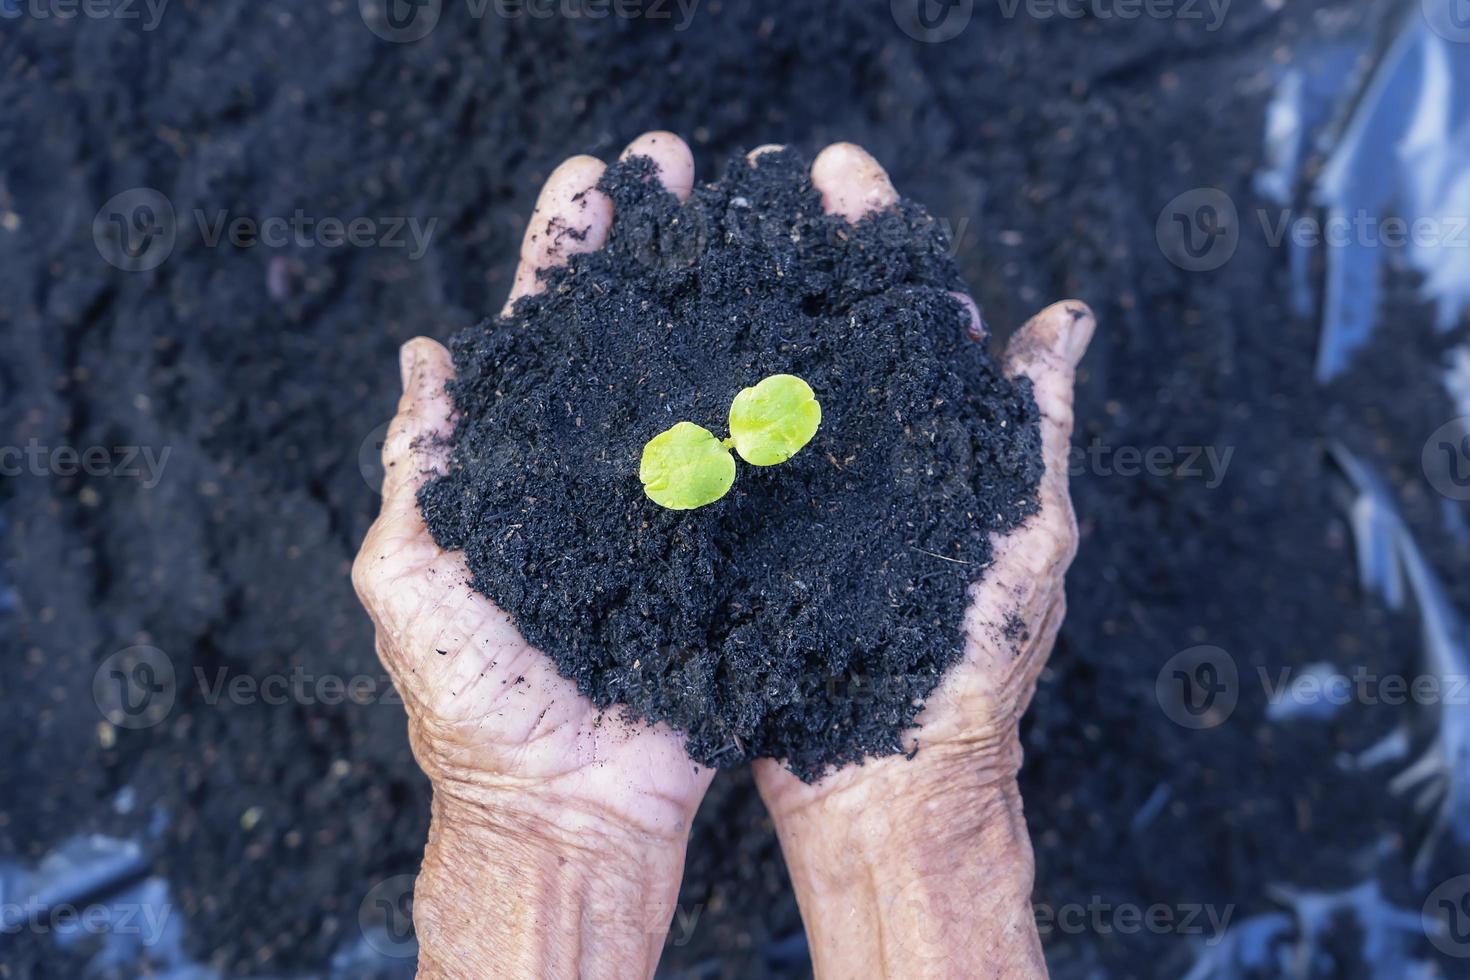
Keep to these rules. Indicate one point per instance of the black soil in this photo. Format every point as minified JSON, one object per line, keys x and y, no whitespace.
{"x":806,"y":615}
{"x":1050,"y":147}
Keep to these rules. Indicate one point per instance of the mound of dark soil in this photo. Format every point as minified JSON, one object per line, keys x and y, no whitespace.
{"x":806,"y":615}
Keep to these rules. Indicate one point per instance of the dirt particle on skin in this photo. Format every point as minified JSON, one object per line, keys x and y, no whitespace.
{"x":1016,"y":631}
{"x":806,"y":615}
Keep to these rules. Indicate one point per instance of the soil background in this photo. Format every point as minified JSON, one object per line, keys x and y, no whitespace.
{"x":1051,"y":145}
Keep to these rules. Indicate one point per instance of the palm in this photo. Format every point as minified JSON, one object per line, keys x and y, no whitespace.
{"x":1014,"y":614}
{"x":484,"y":707}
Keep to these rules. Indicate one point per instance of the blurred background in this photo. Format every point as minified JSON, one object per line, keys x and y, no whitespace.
{"x":1250,"y":756}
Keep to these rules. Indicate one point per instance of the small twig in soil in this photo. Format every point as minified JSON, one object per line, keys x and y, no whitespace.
{"x":940,"y":557}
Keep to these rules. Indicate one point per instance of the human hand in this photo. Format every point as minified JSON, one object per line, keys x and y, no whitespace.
{"x":558,"y":834}
{"x":932,"y":850}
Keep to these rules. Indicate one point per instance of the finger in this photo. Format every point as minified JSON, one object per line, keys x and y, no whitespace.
{"x":974,"y":324}
{"x":753,"y":157}
{"x":672,"y":157}
{"x":417,"y":444}
{"x":852,"y":183}
{"x":1047,"y":350}
{"x":571,"y":216}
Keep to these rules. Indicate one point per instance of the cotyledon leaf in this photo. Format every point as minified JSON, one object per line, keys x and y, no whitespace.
{"x":774,"y":419}
{"x":685,"y":467}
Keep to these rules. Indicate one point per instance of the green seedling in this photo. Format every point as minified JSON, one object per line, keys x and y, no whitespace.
{"x":685,"y":466}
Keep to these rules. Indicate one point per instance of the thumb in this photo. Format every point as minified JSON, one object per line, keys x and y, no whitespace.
{"x":1047,"y":350}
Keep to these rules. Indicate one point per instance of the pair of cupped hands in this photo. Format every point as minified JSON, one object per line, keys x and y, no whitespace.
{"x":558,"y":832}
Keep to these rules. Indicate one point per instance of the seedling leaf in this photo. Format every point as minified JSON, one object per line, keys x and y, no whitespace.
{"x":685,"y":467}
{"x":774,"y":419}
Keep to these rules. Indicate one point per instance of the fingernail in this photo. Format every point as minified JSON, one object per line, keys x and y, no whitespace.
{"x":408,"y":365}
{"x":1079,"y":335}
{"x":1066,"y":328}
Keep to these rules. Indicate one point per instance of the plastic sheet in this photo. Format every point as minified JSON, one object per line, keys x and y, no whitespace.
{"x":1405,"y":153}
{"x":1402,"y":152}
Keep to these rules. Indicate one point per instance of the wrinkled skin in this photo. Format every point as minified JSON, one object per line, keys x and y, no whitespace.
{"x":496,"y":728}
